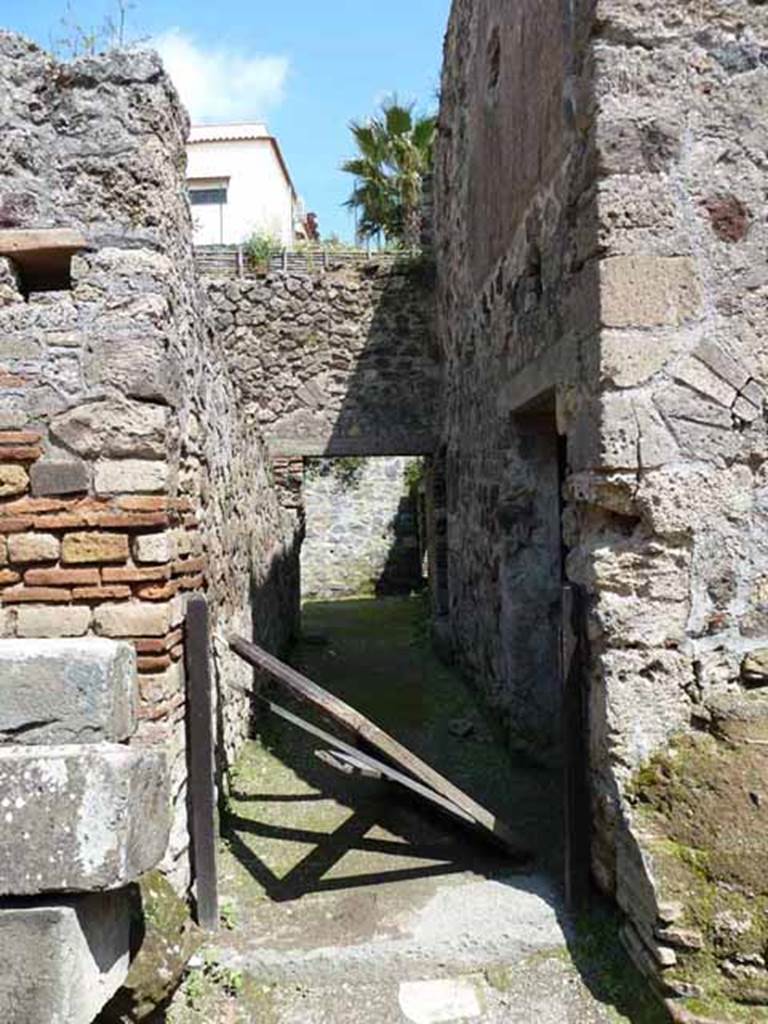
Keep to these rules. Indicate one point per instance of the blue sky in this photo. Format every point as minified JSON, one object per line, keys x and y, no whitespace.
{"x":305,"y":66}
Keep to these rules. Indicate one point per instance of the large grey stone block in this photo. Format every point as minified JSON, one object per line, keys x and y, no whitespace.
{"x":67,"y":691}
{"x":64,"y":959}
{"x":79,"y":819}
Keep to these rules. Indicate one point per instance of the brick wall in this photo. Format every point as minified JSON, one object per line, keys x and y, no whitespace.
{"x":128,"y":477}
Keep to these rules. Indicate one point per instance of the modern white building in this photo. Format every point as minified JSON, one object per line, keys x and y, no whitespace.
{"x":239,"y":185}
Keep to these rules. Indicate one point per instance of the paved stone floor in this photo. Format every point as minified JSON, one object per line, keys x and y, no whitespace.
{"x":345,"y":901}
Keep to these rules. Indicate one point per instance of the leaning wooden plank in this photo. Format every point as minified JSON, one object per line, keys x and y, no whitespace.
{"x":345,"y":715}
{"x":346,"y":758}
{"x":355,"y":758}
{"x":335,"y":759}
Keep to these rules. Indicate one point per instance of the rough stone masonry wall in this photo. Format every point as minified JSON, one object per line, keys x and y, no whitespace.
{"x":513,"y":213}
{"x":337,"y":362}
{"x":361,"y":528}
{"x":127,"y":479}
{"x":600,"y":236}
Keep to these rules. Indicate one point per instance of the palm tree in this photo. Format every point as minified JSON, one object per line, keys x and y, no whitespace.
{"x":395,"y":152}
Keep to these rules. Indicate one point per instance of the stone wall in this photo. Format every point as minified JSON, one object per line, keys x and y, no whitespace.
{"x":601,"y":291}
{"x":516,"y":315}
{"x":86,"y":812}
{"x":128,"y":477}
{"x":321,"y":360}
{"x":361,"y":528}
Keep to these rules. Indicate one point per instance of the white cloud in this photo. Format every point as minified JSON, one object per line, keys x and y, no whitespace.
{"x":221,"y":84}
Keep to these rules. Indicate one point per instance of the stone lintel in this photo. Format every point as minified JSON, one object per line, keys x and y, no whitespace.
{"x":336,"y":447}
{"x":16,"y":242}
{"x":42,"y":257}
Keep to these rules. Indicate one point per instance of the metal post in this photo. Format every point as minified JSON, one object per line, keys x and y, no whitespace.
{"x":200,"y":753}
{"x":239,"y":261}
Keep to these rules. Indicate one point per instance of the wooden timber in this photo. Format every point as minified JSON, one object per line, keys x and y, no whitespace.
{"x":337,"y":711}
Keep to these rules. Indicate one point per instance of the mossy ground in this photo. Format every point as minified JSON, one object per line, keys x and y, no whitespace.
{"x":705,"y":803}
{"x":209,"y":995}
{"x":291,"y":825}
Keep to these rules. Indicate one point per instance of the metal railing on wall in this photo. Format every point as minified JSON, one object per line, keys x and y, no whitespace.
{"x":232,"y":260}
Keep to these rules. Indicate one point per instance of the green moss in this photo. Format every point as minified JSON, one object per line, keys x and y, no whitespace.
{"x":218,"y":995}
{"x":698,"y":800}
{"x":499,"y":977}
{"x":166,"y":939}
{"x":596,"y":950}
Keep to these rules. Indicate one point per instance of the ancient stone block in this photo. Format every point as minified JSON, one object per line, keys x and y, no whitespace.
{"x":680,"y":499}
{"x":18,"y":348}
{"x":59,"y":478}
{"x":91,"y":817}
{"x":13,"y":480}
{"x":154,"y":547}
{"x":52,"y":621}
{"x":745,"y":410}
{"x":13,"y":409}
{"x":631,"y":357}
{"x":130,"y":476}
{"x":754,"y":668}
{"x":65,"y":339}
{"x":681,"y":938}
{"x":649,"y":291}
{"x":89,"y":547}
{"x":140,"y":366}
{"x":635,"y":880}
{"x":139,"y":619}
{"x":114,"y":428}
{"x":620,"y":432}
{"x":33,"y":547}
{"x":631,"y":145}
{"x":700,"y":377}
{"x":703,"y":428}
{"x":64,"y":958}
{"x":722,"y":363}
{"x":645,"y":696}
{"x":740,"y":718}
{"x":65,"y":691}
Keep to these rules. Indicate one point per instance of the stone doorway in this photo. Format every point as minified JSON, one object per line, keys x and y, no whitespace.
{"x":365,"y":527}
{"x":531,"y":556}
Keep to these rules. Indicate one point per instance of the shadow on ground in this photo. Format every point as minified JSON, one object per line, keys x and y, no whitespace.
{"x":323,"y":869}
{"x":375,"y":655}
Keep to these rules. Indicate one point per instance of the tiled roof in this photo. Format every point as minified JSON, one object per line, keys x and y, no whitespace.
{"x":227,"y":132}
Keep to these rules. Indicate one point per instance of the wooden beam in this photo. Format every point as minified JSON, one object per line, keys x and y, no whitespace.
{"x":355,"y":758}
{"x":200,"y":759}
{"x":358,"y":725}
{"x":576,"y":803}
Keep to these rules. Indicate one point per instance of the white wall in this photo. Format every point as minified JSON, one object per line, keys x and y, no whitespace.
{"x":259,"y":197}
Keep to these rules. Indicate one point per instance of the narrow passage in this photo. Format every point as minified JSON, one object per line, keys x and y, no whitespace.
{"x":347,"y":900}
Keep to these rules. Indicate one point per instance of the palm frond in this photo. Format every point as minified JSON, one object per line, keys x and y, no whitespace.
{"x":398,"y":119}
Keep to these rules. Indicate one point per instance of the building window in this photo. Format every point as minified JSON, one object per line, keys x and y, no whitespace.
{"x":207,"y":196}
